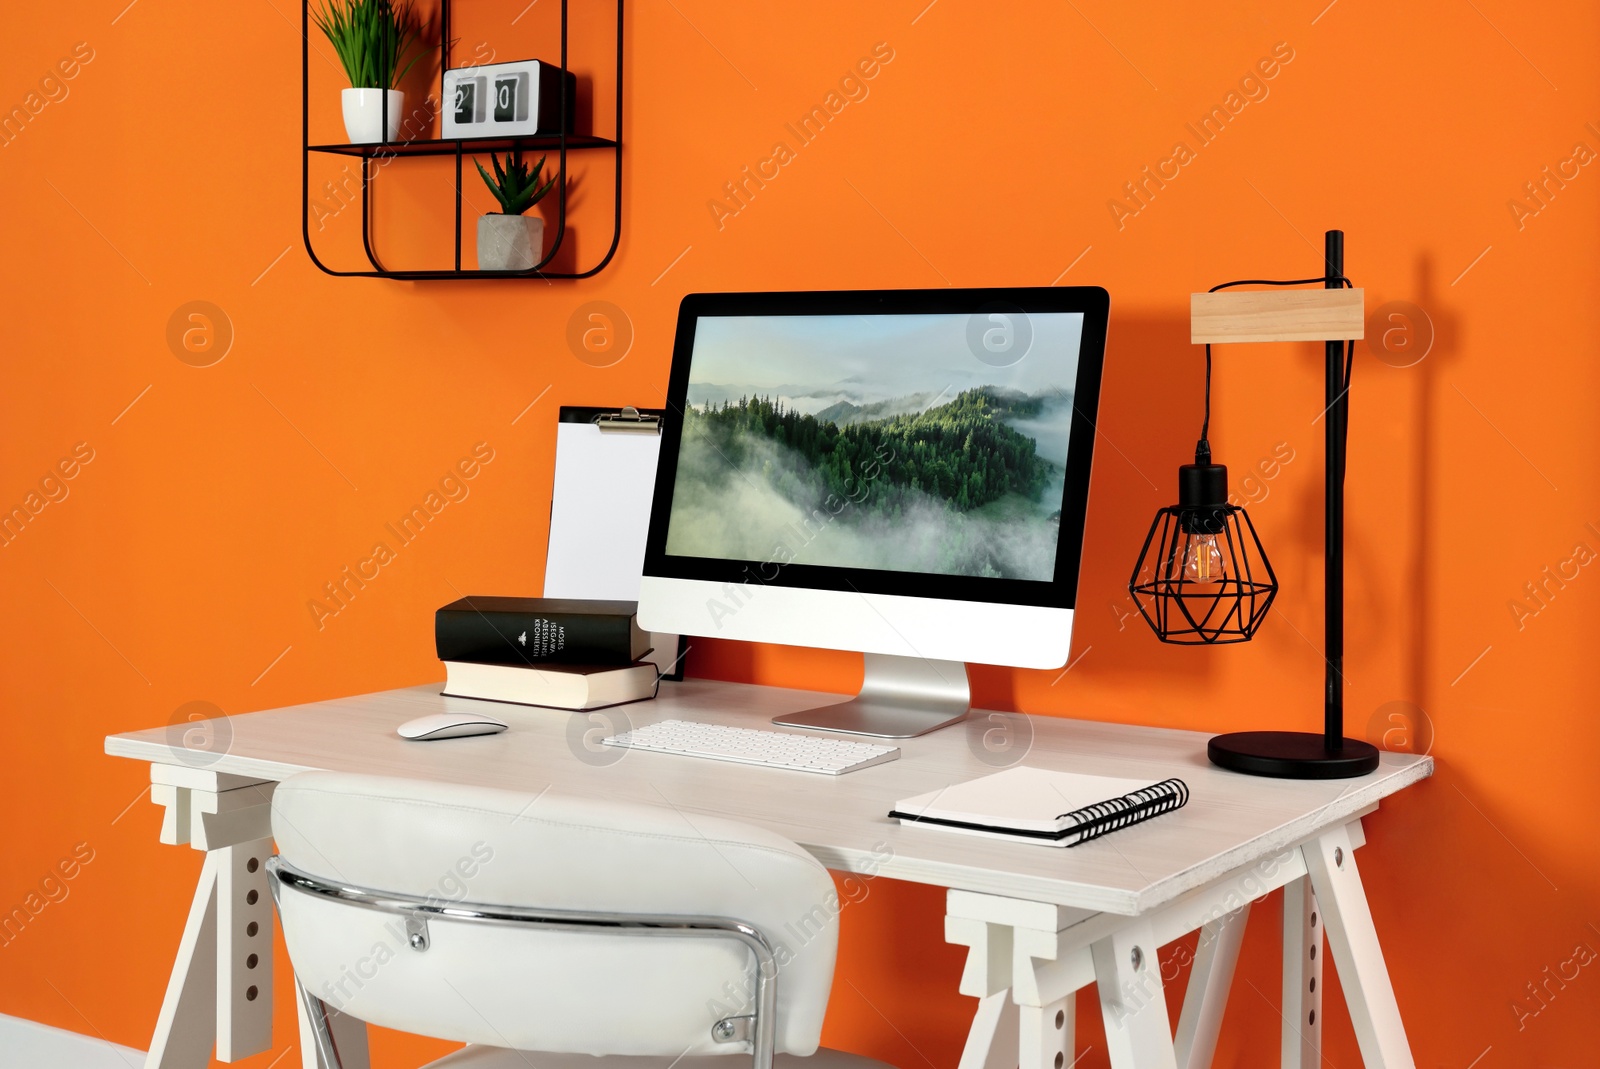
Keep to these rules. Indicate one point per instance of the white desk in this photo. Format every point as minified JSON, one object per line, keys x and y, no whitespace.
{"x":1040,"y":923}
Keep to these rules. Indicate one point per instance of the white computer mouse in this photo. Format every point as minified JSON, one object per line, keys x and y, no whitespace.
{"x":450,"y":726}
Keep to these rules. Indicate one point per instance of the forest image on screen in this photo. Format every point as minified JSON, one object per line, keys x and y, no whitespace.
{"x":907,"y":443}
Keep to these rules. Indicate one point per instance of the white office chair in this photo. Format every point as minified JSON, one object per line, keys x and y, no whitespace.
{"x":552,"y":925}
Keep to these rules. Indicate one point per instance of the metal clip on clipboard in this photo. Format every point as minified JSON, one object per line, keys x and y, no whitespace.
{"x":628,"y":421}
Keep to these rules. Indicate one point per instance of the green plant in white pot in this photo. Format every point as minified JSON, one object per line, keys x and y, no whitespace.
{"x":509,"y":240}
{"x":372,"y":38}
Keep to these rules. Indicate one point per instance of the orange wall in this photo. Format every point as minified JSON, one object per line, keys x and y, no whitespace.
{"x":179,"y":564}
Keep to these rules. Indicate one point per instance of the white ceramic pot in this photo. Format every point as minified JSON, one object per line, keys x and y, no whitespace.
{"x":509,"y":242}
{"x":363,"y":114}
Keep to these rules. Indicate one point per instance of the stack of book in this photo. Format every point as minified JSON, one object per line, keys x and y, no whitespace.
{"x":562,"y":654}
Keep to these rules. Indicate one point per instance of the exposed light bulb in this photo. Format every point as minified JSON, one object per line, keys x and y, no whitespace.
{"x":1202,"y":560}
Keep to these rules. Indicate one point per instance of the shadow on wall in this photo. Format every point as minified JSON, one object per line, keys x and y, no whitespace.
{"x":1444,"y":348}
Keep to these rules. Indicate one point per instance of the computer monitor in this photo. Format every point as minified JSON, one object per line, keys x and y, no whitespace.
{"x":899,"y":472}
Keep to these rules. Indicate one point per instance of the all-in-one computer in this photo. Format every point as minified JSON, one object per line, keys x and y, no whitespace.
{"x":904,"y":473}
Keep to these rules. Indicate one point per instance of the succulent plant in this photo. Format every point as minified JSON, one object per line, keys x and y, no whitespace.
{"x":516,"y":185}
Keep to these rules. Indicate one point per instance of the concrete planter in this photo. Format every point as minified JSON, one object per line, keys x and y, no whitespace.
{"x":509,"y":242}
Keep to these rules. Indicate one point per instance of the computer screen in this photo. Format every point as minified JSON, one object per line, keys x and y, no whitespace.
{"x":891,"y":442}
{"x":932,"y":445}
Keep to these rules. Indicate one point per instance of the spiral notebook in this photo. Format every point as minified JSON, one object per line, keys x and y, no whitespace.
{"x":1037,"y":805}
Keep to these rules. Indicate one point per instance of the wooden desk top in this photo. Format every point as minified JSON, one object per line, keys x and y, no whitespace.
{"x":1231,"y":821}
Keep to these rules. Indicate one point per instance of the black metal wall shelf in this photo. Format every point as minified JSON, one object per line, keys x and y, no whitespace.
{"x":561,"y":143}
{"x":466,"y":147}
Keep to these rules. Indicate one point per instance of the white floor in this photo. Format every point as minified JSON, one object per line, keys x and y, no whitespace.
{"x":30,"y":1045}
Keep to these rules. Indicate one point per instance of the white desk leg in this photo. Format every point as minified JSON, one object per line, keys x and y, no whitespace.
{"x":187,"y":1025}
{"x":1128,"y":977}
{"x":1302,"y":976}
{"x":1046,"y":1034}
{"x":1216,"y":954}
{"x":1331,"y":862}
{"x":220,"y":991}
{"x":244,"y":950}
{"x":1016,"y":1024}
{"x":992,"y":1039}
{"x":224,"y":966}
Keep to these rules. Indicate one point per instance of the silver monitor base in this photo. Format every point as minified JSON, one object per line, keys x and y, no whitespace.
{"x":901,"y":698}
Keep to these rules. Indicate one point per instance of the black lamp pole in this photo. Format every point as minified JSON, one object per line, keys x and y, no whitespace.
{"x":1335,"y":423}
{"x":1300,"y":754}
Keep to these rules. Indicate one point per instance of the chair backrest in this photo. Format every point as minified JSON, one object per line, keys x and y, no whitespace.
{"x":600,"y":991}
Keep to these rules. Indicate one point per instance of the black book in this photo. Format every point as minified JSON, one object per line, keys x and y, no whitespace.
{"x":530,"y":631}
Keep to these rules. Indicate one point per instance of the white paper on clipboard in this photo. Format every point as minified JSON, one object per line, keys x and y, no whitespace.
{"x":599,"y":516}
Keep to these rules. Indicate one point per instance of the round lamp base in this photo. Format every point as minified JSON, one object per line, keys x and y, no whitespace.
{"x":1292,"y":755}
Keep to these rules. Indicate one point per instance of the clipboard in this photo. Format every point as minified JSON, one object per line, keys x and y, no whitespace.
{"x":600,"y":511}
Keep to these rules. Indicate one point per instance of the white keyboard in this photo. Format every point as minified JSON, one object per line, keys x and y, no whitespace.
{"x":750,"y":746}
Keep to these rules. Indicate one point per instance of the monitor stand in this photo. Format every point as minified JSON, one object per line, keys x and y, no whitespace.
{"x":901,"y":697}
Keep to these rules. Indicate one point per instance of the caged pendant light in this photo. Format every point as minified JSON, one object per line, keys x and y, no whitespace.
{"x":1203,"y":577}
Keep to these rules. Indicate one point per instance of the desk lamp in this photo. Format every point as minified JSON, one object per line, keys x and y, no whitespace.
{"x":1203,"y":564}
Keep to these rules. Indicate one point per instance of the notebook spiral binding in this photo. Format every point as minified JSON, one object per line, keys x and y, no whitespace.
{"x":1093,"y":821}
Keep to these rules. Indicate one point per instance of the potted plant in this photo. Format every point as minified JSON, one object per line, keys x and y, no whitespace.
{"x":508,"y":240}
{"x":371,"y":37}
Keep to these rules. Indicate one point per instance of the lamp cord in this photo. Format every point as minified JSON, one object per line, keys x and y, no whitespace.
{"x":1202,"y":449}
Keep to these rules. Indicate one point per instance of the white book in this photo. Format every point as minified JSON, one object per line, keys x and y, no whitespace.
{"x":566,"y":686}
{"x":1038,"y":805}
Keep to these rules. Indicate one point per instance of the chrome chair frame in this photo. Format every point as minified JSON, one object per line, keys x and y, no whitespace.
{"x":759,"y":1028}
